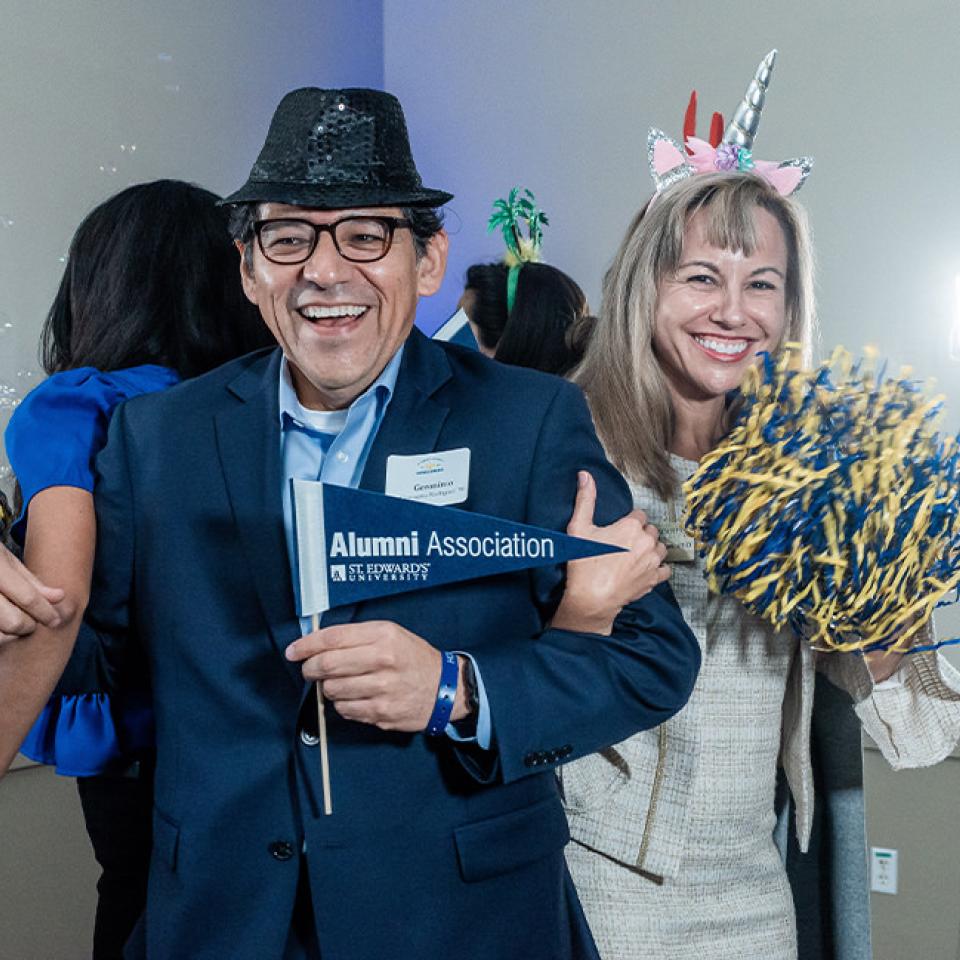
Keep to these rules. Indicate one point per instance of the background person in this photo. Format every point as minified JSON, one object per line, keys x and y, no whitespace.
{"x":547,"y":328}
{"x":524,"y":312}
{"x":149,"y":295}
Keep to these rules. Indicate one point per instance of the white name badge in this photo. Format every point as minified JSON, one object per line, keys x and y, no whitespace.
{"x":438,"y":478}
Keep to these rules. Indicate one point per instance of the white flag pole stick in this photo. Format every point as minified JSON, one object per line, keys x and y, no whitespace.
{"x":322,"y":734}
{"x":314,"y":599}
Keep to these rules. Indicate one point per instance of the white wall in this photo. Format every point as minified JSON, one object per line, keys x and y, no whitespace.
{"x":559,"y":96}
{"x":915,"y":812}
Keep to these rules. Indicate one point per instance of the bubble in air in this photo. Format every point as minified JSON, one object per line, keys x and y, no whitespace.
{"x":9,"y":396}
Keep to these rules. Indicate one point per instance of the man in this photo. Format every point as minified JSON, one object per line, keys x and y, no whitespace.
{"x":437,"y":845}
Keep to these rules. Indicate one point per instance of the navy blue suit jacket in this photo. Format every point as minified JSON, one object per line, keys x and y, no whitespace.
{"x":432,"y":847}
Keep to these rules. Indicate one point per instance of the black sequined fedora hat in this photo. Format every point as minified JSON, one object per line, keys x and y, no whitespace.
{"x":334,"y":149}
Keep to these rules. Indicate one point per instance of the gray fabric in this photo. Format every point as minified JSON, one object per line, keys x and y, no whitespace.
{"x":830,"y":881}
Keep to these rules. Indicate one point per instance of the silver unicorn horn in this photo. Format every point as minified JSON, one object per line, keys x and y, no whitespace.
{"x":743,"y":126}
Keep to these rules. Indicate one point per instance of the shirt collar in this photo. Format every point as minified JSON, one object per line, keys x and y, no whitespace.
{"x":383,"y":386}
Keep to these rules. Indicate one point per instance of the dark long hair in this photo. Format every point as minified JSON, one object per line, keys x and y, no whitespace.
{"x":152,"y":277}
{"x":548,"y":326}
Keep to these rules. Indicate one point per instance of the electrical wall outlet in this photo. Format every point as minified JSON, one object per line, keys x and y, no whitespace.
{"x":883,"y":870}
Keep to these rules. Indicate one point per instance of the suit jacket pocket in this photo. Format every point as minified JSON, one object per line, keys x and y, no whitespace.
{"x":166,"y":840}
{"x":487,"y":848}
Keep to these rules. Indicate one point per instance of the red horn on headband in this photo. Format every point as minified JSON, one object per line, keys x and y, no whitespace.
{"x":690,"y":119}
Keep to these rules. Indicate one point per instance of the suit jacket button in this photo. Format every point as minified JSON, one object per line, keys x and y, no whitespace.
{"x":553,"y":756}
{"x":281,"y":849}
{"x":308,"y":739}
{"x":565,"y":751}
{"x":531,"y":760}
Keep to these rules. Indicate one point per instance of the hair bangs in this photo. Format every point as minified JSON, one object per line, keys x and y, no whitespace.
{"x":728,"y":219}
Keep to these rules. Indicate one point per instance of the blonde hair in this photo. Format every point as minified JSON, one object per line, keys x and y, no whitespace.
{"x":620,"y":374}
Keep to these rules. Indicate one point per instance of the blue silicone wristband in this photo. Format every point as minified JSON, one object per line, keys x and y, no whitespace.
{"x":446,"y":694}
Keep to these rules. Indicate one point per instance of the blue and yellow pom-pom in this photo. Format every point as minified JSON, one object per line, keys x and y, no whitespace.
{"x":833,"y":505}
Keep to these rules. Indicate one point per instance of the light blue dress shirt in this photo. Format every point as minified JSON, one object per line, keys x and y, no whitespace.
{"x":333,"y":446}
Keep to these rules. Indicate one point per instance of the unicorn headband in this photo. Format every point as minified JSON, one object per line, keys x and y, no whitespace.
{"x":507,"y":215}
{"x":670,"y":163}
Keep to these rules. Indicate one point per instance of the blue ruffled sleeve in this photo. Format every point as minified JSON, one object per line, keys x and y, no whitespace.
{"x":52,"y":440}
{"x":58,"y":429}
{"x":85,"y":734}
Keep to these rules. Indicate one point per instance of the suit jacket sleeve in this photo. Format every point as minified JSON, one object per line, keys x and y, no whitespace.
{"x":562,"y":695}
{"x":103,"y":655}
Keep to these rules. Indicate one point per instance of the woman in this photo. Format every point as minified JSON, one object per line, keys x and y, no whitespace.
{"x":673,"y":853}
{"x":150,"y":294}
{"x":547,"y":327}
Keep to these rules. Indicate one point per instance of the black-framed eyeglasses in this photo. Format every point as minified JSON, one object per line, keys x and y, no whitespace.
{"x":359,"y":239}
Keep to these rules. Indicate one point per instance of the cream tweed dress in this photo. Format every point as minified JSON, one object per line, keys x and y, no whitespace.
{"x":730,"y":897}
{"x":672,"y":850}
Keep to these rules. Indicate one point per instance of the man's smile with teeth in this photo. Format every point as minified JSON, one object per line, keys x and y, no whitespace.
{"x":330,"y":313}
{"x":731,"y":347}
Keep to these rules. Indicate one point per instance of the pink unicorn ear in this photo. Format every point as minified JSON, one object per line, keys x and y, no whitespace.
{"x":666,"y":156}
{"x":789,"y":176}
{"x":668,"y":160}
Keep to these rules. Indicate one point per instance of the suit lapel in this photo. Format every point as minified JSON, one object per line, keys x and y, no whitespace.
{"x":412,"y":424}
{"x":248,"y":444}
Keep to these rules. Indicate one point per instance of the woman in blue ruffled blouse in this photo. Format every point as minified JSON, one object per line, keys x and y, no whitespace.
{"x":150,"y":295}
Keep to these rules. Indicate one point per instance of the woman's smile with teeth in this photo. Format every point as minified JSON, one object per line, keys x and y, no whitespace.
{"x":332,"y":313}
{"x":729,"y":348}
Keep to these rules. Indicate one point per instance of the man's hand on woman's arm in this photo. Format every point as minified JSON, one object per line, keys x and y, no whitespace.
{"x":598,"y":587}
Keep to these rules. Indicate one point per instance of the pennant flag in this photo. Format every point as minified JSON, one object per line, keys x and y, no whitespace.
{"x":456,"y":330}
{"x":355,"y":545}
